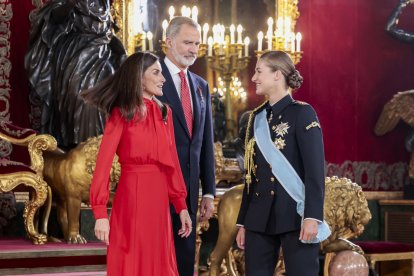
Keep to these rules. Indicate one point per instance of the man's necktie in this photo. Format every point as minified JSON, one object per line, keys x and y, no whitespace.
{"x":186,"y":102}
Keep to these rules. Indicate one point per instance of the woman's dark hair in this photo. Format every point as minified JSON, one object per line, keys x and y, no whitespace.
{"x":124,"y":88}
{"x":279,"y":60}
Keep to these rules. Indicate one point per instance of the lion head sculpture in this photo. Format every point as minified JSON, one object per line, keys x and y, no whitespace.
{"x":346,"y":209}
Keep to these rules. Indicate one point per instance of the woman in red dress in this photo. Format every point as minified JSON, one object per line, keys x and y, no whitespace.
{"x":140,"y":131}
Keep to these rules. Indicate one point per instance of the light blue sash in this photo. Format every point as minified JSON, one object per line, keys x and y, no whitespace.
{"x":284,"y":172}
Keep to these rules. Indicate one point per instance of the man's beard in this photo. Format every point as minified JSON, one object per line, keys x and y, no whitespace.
{"x":181,"y":59}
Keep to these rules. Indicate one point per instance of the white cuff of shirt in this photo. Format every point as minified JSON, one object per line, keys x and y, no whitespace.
{"x":313,"y":219}
{"x":209,"y":196}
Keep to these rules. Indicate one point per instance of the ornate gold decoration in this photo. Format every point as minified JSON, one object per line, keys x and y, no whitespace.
{"x":35,"y":144}
{"x":69,"y":174}
{"x":279,"y":143}
{"x":280,"y":34}
{"x":227,"y":169}
{"x":227,"y":57}
{"x":345,"y":210}
{"x":281,"y":129}
{"x":313,"y":124}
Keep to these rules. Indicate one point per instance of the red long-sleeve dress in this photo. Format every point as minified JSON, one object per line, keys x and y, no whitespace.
{"x":140,"y":239}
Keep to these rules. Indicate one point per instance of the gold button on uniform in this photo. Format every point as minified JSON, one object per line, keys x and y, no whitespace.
{"x":272,"y":179}
{"x":272,"y":193}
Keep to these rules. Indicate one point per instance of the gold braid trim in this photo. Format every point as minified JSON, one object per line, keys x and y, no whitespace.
{"x":249,"y":149}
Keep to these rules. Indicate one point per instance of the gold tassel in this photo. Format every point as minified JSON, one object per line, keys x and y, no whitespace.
{"x":249,"y":162}
{"x":249,"y":149}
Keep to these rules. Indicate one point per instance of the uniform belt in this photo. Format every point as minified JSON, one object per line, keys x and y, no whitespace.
{"x":129,"y":167}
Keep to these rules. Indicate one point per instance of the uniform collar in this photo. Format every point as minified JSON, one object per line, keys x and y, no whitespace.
{"x":281,"y":104}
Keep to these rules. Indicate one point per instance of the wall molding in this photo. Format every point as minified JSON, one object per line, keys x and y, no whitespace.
{"x":372,"y":176}
{"x":6,"y":14}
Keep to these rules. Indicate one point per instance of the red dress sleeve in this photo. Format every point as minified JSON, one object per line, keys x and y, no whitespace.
{"x":177,"y":191}
{"x":99,"y":192}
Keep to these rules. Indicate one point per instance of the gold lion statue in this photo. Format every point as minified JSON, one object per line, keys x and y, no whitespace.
{"x":345,"y":210}
{"x":69,"y":174}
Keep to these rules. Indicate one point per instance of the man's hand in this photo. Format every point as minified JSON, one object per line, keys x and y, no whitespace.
{"x":102,"y":230}
{"x":309,"y":230}
{"x":241,"y":237}
{"x":206,"y":208}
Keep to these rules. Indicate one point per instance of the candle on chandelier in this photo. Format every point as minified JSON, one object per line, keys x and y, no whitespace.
{"x":269,"y":41}
{"x":279,"y":27}
{"x":298,"y":39}
{"x":183,"y":10}
{"x":205,"y":32}
{"x":171,"y":12}
{"x":259,"y":41}
{"x":246,"y":46}
{"x":210,"y":46}
{"x":164,"y":29}
{"x":194,"y":13}
{"x":150,"y":44}
{"x":232,"y":30}
{"x":270,"y":25}
{"x":239,"y":34}
{"x":214,"y":29}
{"x":287,"y":26}
{"x":292,"y":42}
{"x":222,"y":34}
{"x":144,"y":41}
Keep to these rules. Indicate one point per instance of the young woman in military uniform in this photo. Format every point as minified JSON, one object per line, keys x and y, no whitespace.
{"x":283,"y":197}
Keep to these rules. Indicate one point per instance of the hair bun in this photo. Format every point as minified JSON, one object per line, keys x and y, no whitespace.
{"x":294,"y":80}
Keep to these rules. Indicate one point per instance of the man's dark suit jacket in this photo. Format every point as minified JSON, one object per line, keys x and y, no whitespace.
{"x":196,"y":154}
{"x":268,"y":208}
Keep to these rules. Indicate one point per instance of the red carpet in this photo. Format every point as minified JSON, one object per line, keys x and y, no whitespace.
{"x":22,"y":254}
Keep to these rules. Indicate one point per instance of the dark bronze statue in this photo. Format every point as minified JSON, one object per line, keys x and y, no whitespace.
{"x":401,"y":106}
{"x":72,"y":47}
{"x":391,"y":27}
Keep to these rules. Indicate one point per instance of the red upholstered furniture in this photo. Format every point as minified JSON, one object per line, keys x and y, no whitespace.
{"x":13,"y":174}
{"x":377,"y":251}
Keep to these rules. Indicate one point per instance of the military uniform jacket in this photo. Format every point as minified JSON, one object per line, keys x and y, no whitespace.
{"x":266,"y":206}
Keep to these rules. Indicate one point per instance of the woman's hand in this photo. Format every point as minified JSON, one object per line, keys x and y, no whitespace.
{"x":186,"y":224}
{"x":309,"y":230}
{"x":102,"y":230}
{"x":241,"y":237}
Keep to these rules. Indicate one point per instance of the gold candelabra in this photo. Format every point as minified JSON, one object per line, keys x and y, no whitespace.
{"x":280,"y":34}
{"x":237,"y":94}
{"x":227,"y":56}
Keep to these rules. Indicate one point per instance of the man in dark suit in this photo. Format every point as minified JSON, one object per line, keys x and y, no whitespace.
{"x":189,"y":97}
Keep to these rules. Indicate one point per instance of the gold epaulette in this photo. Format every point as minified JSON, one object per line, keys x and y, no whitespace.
{"x":301,"y":103}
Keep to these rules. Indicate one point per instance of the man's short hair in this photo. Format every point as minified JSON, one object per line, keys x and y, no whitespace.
{"x":175,"y":25}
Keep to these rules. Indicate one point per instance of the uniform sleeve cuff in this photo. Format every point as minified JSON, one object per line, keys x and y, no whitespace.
{"x":179,"y":205}
{"x":100,"y":211}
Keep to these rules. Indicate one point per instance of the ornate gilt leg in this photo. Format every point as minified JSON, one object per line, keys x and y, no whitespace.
{"x":30,"y":209}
